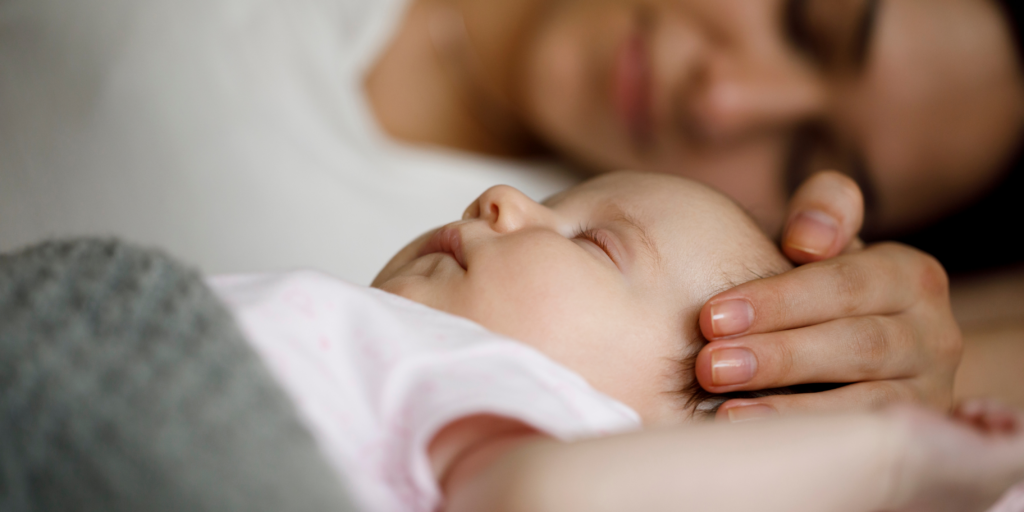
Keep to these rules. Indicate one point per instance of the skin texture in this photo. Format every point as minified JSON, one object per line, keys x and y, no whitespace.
{"x":932,"y":110}
{"x":624,"y":315}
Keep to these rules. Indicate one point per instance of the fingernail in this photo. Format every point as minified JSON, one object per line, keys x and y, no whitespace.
{"x":812,"y":232}
{"x":732,"y":366}
{"x":731,"y":317}
{"x":751,"y":413}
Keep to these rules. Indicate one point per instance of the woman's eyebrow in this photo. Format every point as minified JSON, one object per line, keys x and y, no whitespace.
{"x":640,"y":232}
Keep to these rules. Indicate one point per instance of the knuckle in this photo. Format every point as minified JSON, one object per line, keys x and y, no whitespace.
{"x":871,"y":340}
{"x":849,"y":283}
{"x":785,"y":359}
{"x":932,"y":277}
{"x":951,"y":344}
{"x":771,"y":307}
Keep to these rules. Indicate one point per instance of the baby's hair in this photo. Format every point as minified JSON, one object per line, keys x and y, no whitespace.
{"x":701,"y":402}
{"x":704,"y":404}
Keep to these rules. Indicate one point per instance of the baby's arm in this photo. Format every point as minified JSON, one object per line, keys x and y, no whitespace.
{"x":842,"y":463}
{"x":822,"y":464}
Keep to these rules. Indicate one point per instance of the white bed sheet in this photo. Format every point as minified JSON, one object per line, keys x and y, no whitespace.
{"x":232,"y":133}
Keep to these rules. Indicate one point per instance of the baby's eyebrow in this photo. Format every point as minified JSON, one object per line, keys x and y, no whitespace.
{"x":646,"y":240}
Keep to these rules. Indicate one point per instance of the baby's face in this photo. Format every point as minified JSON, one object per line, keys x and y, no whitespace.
{"x":606,"y":278}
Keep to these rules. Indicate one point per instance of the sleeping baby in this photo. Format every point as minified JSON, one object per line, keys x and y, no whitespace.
{"x":457,"y":382}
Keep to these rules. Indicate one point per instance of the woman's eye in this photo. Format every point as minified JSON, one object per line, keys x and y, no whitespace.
{"x":793,"y":25}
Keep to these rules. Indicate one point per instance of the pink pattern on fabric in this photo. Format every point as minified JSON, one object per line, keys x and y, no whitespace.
{"x":373,"y":375}
{"x":302,"y":302}
{"x":396,"y":463}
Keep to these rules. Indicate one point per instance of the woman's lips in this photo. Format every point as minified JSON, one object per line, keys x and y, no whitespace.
{"x":447,"y":240}
{"x":631,"y":89}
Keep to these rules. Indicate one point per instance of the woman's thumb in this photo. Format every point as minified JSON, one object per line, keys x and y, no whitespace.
{"x":825,"y":217}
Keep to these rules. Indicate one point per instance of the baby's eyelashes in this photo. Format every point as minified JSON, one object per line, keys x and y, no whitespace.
{"x":603,"y":241}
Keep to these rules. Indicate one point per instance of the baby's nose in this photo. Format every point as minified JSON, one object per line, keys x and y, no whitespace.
{"x":506,"y":209}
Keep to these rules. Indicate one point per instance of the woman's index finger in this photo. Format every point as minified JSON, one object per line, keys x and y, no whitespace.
{"x":882,"y":279}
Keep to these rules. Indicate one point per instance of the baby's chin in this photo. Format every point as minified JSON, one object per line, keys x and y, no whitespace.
{"x":400,"y":259}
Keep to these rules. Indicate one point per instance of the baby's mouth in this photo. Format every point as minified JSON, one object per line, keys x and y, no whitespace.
{"x":448,"y":240}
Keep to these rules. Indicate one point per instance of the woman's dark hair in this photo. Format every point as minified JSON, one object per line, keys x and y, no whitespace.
{"x":1015,"y":17}
{"x":987,"y":234}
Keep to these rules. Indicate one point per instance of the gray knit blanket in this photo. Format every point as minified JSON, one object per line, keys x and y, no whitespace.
{"x":126,"y":386}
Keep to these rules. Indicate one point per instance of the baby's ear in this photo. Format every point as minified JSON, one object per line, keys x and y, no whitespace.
{"x":825,"y":218}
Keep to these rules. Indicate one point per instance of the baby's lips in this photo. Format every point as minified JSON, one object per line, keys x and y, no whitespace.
{"x":447,"y":239}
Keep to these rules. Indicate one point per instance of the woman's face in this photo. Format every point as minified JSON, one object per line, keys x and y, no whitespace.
{"x":919,"y":100}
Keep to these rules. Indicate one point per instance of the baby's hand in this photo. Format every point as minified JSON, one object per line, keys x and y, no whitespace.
{"x":989,"y":416}
{"x":964,"y":464}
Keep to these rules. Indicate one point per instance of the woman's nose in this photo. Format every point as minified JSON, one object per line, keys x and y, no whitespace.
{"x":736,"y":100}
{"x":506,"y":209}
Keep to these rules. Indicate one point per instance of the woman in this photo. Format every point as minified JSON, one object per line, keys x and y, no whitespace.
{"x":920,"y":103}
{"x":245,"y":136}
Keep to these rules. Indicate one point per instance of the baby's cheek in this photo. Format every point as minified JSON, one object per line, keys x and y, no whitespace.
{"x":552,"y":311}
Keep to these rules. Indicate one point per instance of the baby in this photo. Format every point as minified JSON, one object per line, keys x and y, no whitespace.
{"x":606,"y":278}
{"x":452,"y":406}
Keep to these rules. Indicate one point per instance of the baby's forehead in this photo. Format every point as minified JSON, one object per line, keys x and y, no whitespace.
{"x":661,"y":202}
{"x":699,"y":233}
{"x":640,"y":188}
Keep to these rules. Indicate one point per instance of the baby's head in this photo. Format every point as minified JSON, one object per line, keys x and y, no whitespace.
{"x":606,"y":278}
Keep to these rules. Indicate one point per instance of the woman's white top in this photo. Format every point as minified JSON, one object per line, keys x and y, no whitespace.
{"x":233,"y":133}
{"x":375,"y":376}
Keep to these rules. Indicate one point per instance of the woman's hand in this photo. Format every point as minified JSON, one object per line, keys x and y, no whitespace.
{"x":877,"y":318}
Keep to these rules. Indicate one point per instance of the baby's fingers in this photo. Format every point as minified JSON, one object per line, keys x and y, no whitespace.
{"x":990,"y":416}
